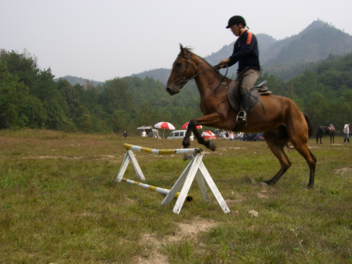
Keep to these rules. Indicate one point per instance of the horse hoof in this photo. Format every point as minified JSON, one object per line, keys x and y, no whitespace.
{"x":310,"y":186}
{"x":263,"y":184}
{"x":211,"y":145}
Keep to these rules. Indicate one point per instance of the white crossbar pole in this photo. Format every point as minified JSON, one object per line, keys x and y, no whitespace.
{"x":156,"y":189}
{"x":162,"y":151}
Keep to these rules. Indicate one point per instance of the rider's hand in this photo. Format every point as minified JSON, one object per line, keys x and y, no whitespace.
{"x":218,"y":67}
{"x":222,"y":63}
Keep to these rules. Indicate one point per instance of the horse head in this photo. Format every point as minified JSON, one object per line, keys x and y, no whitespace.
{"x":182,"y":71}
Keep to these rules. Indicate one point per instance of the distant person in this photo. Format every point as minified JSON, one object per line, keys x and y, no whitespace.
{"x":125,"y":135}
{"x":246,"y":53}
{"x":232,"y":136}
{"x":346,"y":131}
{"x":222,"y":134}
{"x":144,"y":134}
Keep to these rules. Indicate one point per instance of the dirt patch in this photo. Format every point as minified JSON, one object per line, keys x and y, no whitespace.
{"x":262,"y":194}
{"x":235,"y":198}
{"x":344,"y":170}
{"x":188,"y":230}
{"x":191,"y":229}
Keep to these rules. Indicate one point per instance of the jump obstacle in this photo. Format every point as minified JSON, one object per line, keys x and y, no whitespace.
{"x":195,"y":169}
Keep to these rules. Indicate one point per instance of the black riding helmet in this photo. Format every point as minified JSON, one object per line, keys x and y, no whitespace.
{"x":236,"y":20}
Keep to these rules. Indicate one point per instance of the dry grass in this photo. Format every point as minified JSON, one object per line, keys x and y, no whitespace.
{"x":59,"y":203}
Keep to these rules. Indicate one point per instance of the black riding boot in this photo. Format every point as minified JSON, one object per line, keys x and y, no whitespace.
{"x":242,"y":115}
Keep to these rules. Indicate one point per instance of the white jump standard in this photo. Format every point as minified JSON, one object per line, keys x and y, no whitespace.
{"x":195,"y":169}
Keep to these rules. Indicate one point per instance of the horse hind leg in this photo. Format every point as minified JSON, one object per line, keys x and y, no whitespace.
{"x":310,"y":158}
{"x":277,"y":145}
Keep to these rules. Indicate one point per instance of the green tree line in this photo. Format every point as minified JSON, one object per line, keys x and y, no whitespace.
{"x":323,"y":91}
{"x":29,"y":97}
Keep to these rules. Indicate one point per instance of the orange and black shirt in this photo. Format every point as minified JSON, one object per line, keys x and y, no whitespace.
{"x":245,"y":52}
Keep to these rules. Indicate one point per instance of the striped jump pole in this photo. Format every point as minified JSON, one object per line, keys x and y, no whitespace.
{"x":161,"y":151}
{"x":195,"y":169}
{"x":156,"y":189}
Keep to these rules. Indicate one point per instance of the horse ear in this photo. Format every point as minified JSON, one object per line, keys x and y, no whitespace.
{"x":181,"y":47}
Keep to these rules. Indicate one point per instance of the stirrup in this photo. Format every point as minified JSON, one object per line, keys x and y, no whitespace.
{"x":241,"y":117}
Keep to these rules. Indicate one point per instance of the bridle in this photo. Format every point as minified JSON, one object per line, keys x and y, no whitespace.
{"x":184,"y":80}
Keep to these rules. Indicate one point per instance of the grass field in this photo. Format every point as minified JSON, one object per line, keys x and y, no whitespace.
{"x":60,"y":203}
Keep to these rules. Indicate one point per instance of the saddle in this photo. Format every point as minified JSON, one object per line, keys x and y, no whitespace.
{"x":331,"y":127}
{"x":233,"y":94}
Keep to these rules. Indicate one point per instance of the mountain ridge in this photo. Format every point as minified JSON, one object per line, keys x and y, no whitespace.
{"x":282,"y":58}
{"x":276,"y":56}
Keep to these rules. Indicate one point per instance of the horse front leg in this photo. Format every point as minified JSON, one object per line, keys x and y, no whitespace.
{"x":212,"y":120}
{"x":192,"y":127}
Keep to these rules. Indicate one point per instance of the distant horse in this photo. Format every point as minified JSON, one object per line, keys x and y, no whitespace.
{"x":326,"y":130}
{"x":279,"y":117}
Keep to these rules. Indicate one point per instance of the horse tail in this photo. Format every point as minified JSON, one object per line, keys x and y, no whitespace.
{"x":310,"y":127}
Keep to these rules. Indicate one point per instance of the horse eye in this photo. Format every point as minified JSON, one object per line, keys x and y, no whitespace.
{"x":178,"y":64}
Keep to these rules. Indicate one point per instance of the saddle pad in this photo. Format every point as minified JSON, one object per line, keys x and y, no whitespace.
{"x":233,"y":95}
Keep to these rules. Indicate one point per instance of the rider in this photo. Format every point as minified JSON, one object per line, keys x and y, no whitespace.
{"x":246,"y":53}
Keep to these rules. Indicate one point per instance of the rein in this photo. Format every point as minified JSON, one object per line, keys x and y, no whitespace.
{"x":184,"y":80}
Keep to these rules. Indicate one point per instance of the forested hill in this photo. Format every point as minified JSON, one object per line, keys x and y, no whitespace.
{"x":286,"y":58}
{"x":73,"y":80}
{"x":323,"y":91}
{"x":314,"y":43}
{"x":163,"y":74}
{"x":31,"y":98}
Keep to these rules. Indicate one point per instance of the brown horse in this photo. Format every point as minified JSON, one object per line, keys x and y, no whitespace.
{"x":280,"y":118}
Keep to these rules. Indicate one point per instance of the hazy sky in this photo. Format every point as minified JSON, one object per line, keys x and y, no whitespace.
{"x":103,"y":39}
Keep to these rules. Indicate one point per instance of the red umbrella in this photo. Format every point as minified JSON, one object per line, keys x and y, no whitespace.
{"x":185,"y":126}
{"x":208,"y":135}
{"x":164,"y":125}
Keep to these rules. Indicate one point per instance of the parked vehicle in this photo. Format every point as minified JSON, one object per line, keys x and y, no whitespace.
{"x":179,"y":134}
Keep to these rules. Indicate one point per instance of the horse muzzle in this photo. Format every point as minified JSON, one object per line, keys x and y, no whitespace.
{"x":173,"y":90}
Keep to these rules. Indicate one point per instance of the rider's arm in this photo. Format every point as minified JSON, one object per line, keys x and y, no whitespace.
{"x":243,"y":48}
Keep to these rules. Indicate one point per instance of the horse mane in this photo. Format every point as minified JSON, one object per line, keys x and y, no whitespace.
{"x":188,"y":49}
